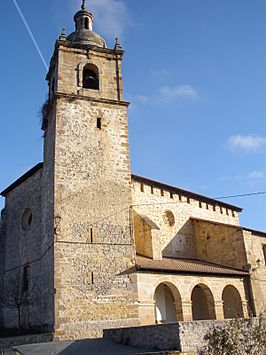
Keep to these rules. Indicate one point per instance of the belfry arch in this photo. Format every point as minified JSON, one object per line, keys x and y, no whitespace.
{"x":202,"y":303}
{"x":168,"y":304}
{"x":232,"y":304}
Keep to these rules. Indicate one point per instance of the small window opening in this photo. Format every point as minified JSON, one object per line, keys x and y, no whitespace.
{"x":207,"y":206}
{"x":90,"y":78}
{"x":180,"y":198}
{"x":264,"y":252}
{"x":233,"y":214}
{"x":86,"y":23}
{"x":92,"y":278}
{"x":91,"y":235}
{"x":25,"y":279}
{"x":162,"y":192}
{"x":214,"y":208}
{"x":227,"y":212}
{"x":26,"y":219}
{"x":152,"y":192}
{"x":171,"y":195}
{"x":141,"y":187}
{"x":221,"y":210}
{"x":200,"y":204}
{"x":188,"y":200}
{"x":99,"y":123}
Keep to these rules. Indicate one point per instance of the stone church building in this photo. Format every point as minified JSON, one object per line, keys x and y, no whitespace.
{"x":85,"y":245}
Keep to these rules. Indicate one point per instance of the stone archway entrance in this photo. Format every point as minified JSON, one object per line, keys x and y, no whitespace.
{"x":202,"y":303}
{"x":168,"y":305}
{"x":232,"y":304}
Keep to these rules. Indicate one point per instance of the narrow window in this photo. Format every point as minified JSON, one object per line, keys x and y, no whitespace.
{"x":141,"y":187}
{"x":264,"y":252}
{"x":162,"y":193}
{"x":99,"y":123}
{"x":188,"y":200}
{"x":171,"y":195}
{"x":180,"y":198}
{"x":200,"y":204}
{"x":227,"y":212}
{"x":152,"y":192}
{"x":233,"y":214}
{"x":92,"y":279}
{"x":207,"y":206}
{"x":86,"y":23}
{"x":214,"y":208}
{"x":25,"y":279}
{"x":221,"y":210}
{"x":91,"y":235}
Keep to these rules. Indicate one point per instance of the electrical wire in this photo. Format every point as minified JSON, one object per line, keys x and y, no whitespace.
{"x":242,"y":195}
{"x":117,"y":213}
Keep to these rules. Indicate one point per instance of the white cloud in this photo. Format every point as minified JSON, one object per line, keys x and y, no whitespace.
{"x":166,"y":94}
{"x":256,"y":175}
{"x":253,"y":175}
{"x":185,"y":91}
{"x":111,"y":17}
{"x":248,"y":143}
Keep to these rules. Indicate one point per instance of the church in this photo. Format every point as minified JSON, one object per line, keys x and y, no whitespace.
{"x":86,"y":246}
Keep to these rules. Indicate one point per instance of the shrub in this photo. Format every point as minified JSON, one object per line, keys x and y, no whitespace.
{"x":238,"y":337}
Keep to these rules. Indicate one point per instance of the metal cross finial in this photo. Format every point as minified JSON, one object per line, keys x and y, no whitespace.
{"x":83,"y":6}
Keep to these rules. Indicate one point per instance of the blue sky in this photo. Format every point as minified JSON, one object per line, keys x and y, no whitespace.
{"x":194,"y":72}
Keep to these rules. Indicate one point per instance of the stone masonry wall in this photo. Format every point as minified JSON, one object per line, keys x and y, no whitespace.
{"x":221,"y":244}
{"x":94,"y":245}
{"x":182,"y":336}
{"x":177,"y":240}
{"x":24,"y":245}
{"x":71,"y":63}
{"x":254,"y":244}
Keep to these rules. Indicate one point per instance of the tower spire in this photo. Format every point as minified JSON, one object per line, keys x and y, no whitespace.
{"x":83,"y":5}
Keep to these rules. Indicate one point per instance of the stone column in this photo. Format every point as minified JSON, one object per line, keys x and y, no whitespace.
{"x":245,"y":309}
{"x":187,"y":310}
{"x":146,"y":312}
{"x":219,"y":311}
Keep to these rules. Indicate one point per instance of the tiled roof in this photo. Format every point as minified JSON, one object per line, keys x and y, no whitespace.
{"x":191,"y":266}
{"x":185,"y":193}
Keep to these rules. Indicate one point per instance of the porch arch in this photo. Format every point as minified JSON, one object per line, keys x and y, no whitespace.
{"x":202,"y":303}
{"x":168,"y":303}
{"x":232,"y":303}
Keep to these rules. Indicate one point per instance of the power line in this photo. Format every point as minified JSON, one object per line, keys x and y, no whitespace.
{"x":242,"y":195}
{"x":30,"y":33}
{"x":117,"y":213}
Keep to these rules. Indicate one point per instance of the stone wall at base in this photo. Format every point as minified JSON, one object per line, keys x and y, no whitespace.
{"x":25,"y":339}
{"x":181,"y":336}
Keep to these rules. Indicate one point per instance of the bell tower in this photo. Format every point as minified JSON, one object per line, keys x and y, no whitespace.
{"x":87,"y":193}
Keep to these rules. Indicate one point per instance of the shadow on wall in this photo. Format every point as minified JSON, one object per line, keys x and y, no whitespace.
{"x":96,"y":346}
{"x":182,"y":245}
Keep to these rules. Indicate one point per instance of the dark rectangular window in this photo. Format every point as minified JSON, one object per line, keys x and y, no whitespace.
{"x":99,"y":123}
{"x":141,"y":187}
{"x":171,"y":195}
{"x":25,"y":278}
{"x":152,"y":190}
{"x":264,"y":252}
{"x":91,"y":235}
